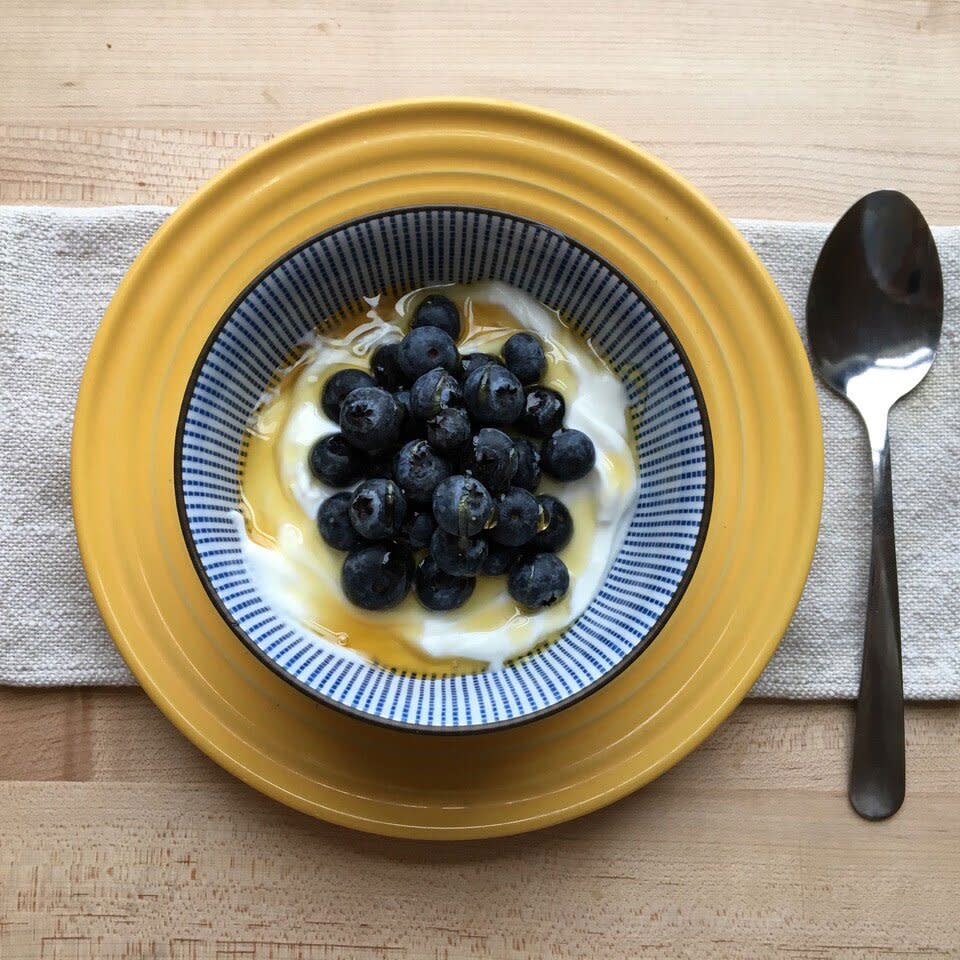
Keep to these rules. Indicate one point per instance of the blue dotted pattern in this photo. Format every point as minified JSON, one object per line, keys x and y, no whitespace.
{"x":416,"y":248}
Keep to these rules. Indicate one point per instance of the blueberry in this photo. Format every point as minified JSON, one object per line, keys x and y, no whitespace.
{"x":386,"y":369}
{"x":425,"y":348}
{"x":499,"y":560}
{"x":334,"y":461}
{"x":377,"y":576}
{"x":339,"y":386}
{"x":417,"y":529}
{"x":438,"y":590}
{"x":433,"y":392}
{"x":543,"y":411}
{"x":462,"y":506}
{"x":377,"y":509}
{"x":492,"y":459}
{"x":438,"y":311}
{"x":333,"y":521}
{"x":528,"y":465}
{"x":458,"y":556}
{"x":418,"y":470}
{"x":449,"y":431}
{"x":556,"y":525}
{"x":472,"y":361}
{"x":568,"y":455}
{"x":409,"y":428}
{"x":493,"y":395}
{"x":371,"y":419}
{"x":524,"y":357}
{"x":518,"y":515}
{"x":538,"y":581}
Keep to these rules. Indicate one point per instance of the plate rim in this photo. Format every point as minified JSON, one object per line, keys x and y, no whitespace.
{"x":813,"y":446}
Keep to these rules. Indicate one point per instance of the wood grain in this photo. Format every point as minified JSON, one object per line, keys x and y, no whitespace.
{"x":119,"y":840}
{"x":122,"y":840}
{"x":787,"y":109}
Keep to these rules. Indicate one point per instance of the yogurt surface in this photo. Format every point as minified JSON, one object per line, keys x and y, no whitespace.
{"x":299,"y":574}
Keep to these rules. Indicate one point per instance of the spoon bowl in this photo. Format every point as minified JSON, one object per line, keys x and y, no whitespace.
{"x":875,"y":307}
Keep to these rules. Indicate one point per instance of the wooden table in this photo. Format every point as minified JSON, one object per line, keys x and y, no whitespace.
{"x":119,"y":840}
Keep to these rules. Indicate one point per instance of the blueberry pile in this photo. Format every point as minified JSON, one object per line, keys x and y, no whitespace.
{"x":443,"y":492}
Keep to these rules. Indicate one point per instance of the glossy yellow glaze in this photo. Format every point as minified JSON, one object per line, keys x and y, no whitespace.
{"x":705,"y":281}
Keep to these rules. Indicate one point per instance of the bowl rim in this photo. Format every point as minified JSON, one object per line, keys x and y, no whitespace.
{"x":460,"y":729}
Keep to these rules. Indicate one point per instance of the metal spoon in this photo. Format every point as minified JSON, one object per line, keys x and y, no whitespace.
{"x":874,"y":313}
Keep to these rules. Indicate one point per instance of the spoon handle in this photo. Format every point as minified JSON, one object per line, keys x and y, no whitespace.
{"x":877,"y":777}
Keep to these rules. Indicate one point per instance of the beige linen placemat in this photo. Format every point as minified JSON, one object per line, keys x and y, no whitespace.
{"x":58,"y":269}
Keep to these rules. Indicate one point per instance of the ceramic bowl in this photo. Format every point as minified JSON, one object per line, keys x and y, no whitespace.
{"x":315,"y":284}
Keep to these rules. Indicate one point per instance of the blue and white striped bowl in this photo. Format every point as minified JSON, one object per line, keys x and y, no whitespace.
{"x":416,"y":247}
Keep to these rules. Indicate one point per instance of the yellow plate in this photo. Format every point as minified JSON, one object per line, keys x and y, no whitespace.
{"x":685,"y":257}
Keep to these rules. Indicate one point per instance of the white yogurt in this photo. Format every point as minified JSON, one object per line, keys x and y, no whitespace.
{"x":296,"y":571}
